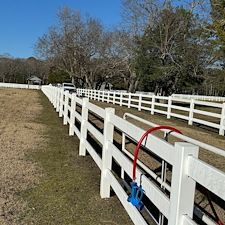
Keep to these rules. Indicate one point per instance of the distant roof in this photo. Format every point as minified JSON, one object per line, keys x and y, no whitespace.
{"x":34,"y":78}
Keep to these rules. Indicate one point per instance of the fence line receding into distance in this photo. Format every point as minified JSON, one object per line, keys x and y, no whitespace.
{"x":175,"y":207}
{"x":209,"y":114}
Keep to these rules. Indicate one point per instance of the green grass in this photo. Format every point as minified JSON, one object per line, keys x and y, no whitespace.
{"x":68,"y":191}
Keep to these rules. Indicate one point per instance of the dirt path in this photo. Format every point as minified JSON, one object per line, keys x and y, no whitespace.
{"x":18,"y":135}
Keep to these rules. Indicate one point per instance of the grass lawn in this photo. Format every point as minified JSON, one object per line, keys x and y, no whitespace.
{"x":68,"y":192}
{"x":66,"y":189}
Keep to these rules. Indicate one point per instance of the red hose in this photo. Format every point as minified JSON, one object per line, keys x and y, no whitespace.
{"x":136,"y":156}
{"x":141,"y":140}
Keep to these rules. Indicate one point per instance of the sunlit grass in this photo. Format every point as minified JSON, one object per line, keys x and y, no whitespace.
{"x":68,"y":192}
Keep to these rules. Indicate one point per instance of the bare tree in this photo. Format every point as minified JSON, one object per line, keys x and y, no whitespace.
{"x":33,"y":66}
{"x":119,"y":56}
{"x":72,"y":45}
{"x":7,"y":69}
{"x":139,"y":14}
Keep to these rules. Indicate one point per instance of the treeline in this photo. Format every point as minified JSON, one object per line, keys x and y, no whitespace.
{"x":17,"y":70}
{"x":164,"y":46}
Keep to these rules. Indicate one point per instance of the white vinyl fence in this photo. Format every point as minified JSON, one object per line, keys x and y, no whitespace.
{"x":26,"y":86}
{"x":194,"y":111}
{"x":177,"y":207}
{"x":200,"y":97}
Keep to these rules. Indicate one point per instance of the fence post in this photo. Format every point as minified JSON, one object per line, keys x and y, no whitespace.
{"x":50,"y":94}
{"x":121,"y":98}
{"x":169,"y":107}
{"x":222,"y":120}
{"x":66,"y":103}
{"x":182,"y":186}
{"x":139,"y":103}
{"x":129,"y":100}
{"x":103,"y":96}
{"x":57,"y":100}
{"x":61,"y":103}
{"x":99,"y":94}
{"x":106,"y":154}
{"x":191,"y":112}
{"x":114,"y":97}
{"x":153,"y":105}
{"x":108,"y":96}
{"x":83,"y":129}
{"x":72,"y":114}
{"x":57,"y":97}
{"x":54,"y":96}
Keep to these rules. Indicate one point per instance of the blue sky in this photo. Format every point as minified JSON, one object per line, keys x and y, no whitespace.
{"x":23,"y":21}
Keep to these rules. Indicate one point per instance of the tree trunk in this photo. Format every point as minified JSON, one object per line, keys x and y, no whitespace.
{"x":133,"y":82}
{"x":88,"y":82}
{"x":73,"y":80}
{"x":131,"y":87}
{"x":156,"y":89}
{"x":173,"y":89}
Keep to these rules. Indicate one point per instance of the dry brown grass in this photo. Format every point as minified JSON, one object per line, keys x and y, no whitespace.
{"x":18,"y":135}
{"x":43,"y":179}
{"x":21,"y":134}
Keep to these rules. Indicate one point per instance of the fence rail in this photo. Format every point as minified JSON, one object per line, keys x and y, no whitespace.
{"x":26,"y":86}
{"x":200,"y":97}
{"x":176,"y":207}
{"x":193,"y":111}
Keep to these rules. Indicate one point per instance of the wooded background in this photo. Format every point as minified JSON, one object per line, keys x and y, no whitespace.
{"x":162,"y":46}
